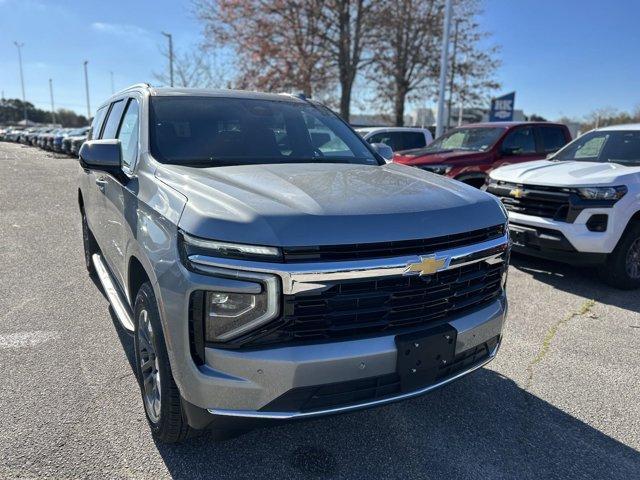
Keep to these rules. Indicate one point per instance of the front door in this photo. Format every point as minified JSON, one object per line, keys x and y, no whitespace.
{"x":519,"y":145}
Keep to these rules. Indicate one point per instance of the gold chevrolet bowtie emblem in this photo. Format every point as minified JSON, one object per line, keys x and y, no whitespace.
{"x":516,"y":193}
{"x":426,"y":265}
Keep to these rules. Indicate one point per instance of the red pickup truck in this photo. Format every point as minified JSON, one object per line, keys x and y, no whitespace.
{"x":468,"y":153}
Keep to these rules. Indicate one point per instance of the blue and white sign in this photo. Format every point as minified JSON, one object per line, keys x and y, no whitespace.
{"x":502,"y":108}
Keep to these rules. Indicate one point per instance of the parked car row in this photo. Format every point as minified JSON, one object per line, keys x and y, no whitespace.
{"x":577,"y":202}
{"x":62,"y":140}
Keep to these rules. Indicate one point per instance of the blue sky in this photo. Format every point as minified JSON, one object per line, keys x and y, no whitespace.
{"x":565,"y":57}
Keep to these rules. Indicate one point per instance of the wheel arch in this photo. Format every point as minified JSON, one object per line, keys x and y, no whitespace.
{"x":475,"y":179}
{"x":137,"y":275}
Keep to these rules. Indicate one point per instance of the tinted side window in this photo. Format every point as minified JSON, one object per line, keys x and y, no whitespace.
{"x":520,"y":142}
{"x":383,"y":137}
{"x":552,"y":138}
{"x":128,"y":133}
{"x":412,"y":140}
{"x":113,"y":120}
{"x":96,"y":125}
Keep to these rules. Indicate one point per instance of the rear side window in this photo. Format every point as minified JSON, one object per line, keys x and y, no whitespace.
{"x":520,"y":141}
{"x":113,"y":120}
{"x":392,"y":139}
{"x":96,"y":125}
{"x":128,"y":133}
{"x":411,"y":140}
{"x":552,"y":138}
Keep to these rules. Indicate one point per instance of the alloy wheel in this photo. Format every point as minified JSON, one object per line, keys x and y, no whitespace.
{"x":633,"y":260}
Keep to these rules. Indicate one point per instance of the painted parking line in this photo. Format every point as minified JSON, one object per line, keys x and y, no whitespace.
{"x":27,"y":339}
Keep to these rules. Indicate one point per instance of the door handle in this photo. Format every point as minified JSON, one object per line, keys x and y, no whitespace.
{"x":101,"y":182}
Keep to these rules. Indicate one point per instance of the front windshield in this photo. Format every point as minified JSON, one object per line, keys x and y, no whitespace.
{"x":478,"y":139}
{"x":614,"y":146}
{"x":216,"y":131}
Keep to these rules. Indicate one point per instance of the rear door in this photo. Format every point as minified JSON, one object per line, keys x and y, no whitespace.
{"x":519,"y":145}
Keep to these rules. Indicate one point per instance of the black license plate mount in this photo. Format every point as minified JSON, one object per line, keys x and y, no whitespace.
{"x":421,"y":355}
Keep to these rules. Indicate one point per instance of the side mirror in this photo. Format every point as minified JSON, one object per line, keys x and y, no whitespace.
{"x":383,"y":150}
{"x":104,"y":155}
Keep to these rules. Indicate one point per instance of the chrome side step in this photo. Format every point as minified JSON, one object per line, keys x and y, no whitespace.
{"x":117,"y":303}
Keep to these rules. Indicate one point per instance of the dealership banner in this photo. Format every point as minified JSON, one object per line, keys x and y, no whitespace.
{"x":502,"y":108}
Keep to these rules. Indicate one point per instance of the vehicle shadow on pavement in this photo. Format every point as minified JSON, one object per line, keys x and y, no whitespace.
{"x":580,"y":281}
{"x":483,"y":426}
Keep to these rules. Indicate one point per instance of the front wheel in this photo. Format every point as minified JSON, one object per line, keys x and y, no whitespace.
{"x":622,"y":269}
{"x":160,"y":395}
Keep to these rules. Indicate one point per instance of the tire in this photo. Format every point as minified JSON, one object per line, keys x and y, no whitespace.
{"x":622,"y":269}
{"x":89,"y":243}
{"x":160,"y":395}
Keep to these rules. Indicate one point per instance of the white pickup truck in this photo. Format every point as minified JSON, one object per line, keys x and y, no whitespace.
{"x":581,"y":205}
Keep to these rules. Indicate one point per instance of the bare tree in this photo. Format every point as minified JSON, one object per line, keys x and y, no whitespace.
{"x":279,"y":44}
{"x":406,"y":50}
{"x":475,"y":63}
{"x":192,"y":69}
{"x":348,"y":30}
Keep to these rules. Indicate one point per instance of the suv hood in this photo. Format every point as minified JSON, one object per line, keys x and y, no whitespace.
{"x":325,"y":204}
{"x":418,"y":157}
{"x":567,"y":173}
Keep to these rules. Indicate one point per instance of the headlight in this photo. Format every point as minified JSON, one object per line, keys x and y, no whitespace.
{"x":200,"y":246}
{"x":220,"y":315}
{"x":439,"y":169}
{"x":228,"y":314}
{"x":602,"y":193}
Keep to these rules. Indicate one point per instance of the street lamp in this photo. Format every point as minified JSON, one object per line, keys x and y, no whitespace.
{"x":170,"y":37}
{"x":444,"y":61}
{"x":24,"y":101}
{"x":86,"y":86}
{"x":53,"y":111}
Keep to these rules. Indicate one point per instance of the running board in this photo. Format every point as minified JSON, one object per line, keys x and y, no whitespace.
{"x":119,"y":306}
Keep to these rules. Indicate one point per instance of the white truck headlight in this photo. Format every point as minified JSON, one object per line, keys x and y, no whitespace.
{"x":602,"y":193}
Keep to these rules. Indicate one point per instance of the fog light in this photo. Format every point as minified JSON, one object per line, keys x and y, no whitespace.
{"x":597,"y":223}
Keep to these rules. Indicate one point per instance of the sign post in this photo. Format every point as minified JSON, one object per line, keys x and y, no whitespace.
{"x":502,"y":108}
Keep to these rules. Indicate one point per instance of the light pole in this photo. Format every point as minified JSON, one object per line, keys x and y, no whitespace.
{"x":86,"y":86}
{"x":444,"y":60}
{"x":453,"y":71}
{"x":53,"y":110}
{"x":24,"y":101}
{"x":170,"y":37}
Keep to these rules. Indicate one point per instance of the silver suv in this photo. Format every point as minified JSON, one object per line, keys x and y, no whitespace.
{"x":271,"y":266}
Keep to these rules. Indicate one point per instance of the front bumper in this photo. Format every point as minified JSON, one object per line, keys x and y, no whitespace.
{"x":243,"y":383}
{"x":278,"y":371}
{"x":550,"y":244}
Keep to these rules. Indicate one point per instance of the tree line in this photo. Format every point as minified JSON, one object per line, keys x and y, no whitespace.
{"x":328,"y":48}
{"x":12,"y":112}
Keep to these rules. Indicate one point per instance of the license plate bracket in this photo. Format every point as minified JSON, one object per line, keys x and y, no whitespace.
{"x":422,"y":354}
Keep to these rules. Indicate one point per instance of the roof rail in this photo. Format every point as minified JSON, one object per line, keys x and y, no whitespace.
{"x":135,"y":85}
{"x":299,"y":95}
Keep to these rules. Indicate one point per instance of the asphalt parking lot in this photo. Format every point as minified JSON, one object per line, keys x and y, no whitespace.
{"x":562,"y":400}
